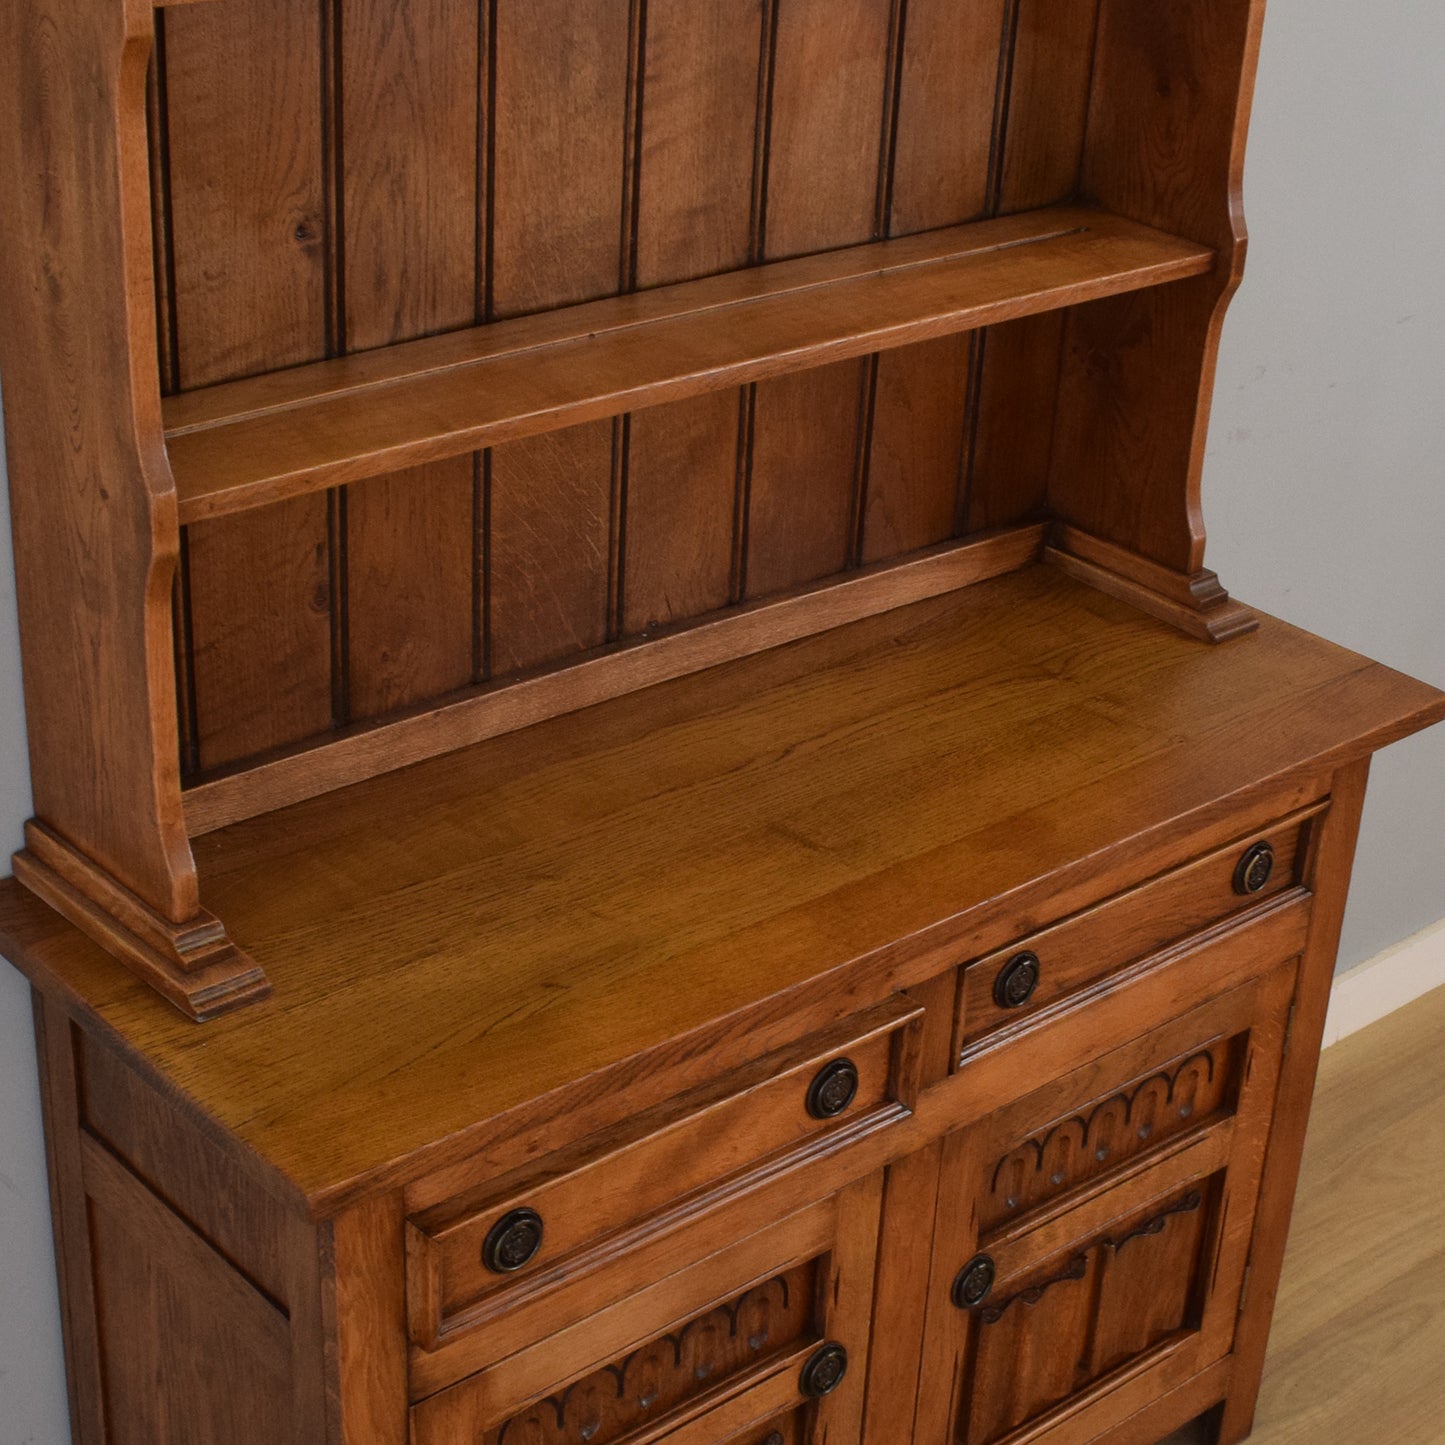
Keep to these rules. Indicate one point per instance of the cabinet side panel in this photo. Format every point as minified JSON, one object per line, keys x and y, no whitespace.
{"x":1169,"y":106}
{"x":249,"y":245}
{"x":192,"y":1354}
{"x":92,"y":502}
{"x":1332,"y":860}
{"x":410,"y":223}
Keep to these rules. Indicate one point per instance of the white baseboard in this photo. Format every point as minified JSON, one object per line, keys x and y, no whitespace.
{"x":1386,"y":982}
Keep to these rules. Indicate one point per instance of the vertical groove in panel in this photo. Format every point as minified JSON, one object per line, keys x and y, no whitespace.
{"x":333,"y":183}
{"x":617,"y":527}
{"x":243,"y":107}
{"x":409,"y":88}
{"x":163,"y":250}
{"x":486,"y":216}
{"x":163,"y":269}
{"x":337,"y":511}
{"x":696,"y":203}
{"x":484,"y":565}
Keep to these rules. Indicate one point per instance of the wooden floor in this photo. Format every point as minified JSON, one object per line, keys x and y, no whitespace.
{"x":1357,"y":1353}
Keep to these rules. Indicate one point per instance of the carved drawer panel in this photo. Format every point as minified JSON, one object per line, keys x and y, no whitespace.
{"x":1046,"y":968}
{"x":1096,"y":1230}
{"x":766,"y":1338}
{"x":541,"y":1230}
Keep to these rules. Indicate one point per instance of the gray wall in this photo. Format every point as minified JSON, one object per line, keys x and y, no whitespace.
{"x":1324,"y":497}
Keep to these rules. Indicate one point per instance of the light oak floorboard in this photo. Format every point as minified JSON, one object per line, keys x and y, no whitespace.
{"x":1357,"y":1352}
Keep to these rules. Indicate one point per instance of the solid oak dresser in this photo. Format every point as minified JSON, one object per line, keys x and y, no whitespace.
{"x":649,"y":828}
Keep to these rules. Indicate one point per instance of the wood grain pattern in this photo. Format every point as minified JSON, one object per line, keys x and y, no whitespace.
{"x":89,"y":493}
{"x":682,"y":483}
{"x":253,"y":443}
{"x":169,"y":1306}
{"x":699,"y":125}
{"x":947,"y":96}
{"x":249,"y":245}
{"x":710,"y":847}
{"x":261,"y":610}
{"x":1039,"y":153}
{"x":720,"y":637}
{"x":695,"y":217}
{"x":558,"y":172}
{"x":549,"y":508}
{"x":803,"y":486}
{"x":411,"y":217}
{"x":917,"y":454}
{"x":1178,"y":151}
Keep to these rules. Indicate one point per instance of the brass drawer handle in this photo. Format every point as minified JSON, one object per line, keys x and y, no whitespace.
{"x":1254,"y":869}
{"x":824,"y":1370}
{"x":512,"y":1241}
{"x":974,"y":1282}
{"x":1016,"y":981}
{"x":833,"y":1089}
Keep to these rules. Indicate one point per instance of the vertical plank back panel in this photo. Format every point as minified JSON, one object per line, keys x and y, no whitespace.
{"x":409,"y":72}
{"x":558,"y":174}
{"x":550,"y":521}
{"x":831,"y":66}
{"x":558,"y":184}
{"x":246,"y":185}
{"x":943,"y":151}
{"x":1169,"y":106}
{"x":1041,"y":151}
{"x":695,"y":217}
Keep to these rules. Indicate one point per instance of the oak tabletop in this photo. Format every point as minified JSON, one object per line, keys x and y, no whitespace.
{"x":456,"y":940}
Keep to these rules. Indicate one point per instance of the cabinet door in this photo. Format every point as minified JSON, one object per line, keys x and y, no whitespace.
{"x":764,"y":1342}
{"x":1092,"y":1237}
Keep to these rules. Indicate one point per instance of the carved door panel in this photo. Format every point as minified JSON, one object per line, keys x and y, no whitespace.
{"x":763,"y":1343}
{"x":1092,"y":1237}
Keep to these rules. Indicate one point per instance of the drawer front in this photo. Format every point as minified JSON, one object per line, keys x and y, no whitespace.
{"x":518,"y":1237}
{"x":1095,"y":1232}
{"x":1045,"y":968}
{"x":767,"y":1337}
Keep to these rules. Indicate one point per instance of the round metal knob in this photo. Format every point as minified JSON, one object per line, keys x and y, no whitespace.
{"x":1254,"y":868}
{"x":974,"y":1282}
{"x":834,"y":1088}
{"x":513,"y":1241}
{"x":1016,"y":981}
{"x":824,"y":1370}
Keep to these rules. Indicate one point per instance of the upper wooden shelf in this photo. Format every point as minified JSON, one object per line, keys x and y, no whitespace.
{"x":249,"y":443}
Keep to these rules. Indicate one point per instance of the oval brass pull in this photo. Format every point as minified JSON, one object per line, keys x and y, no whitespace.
{"x":1254,"y":869}
{"x":824,"y":1370}
{"x":1016,"y":981}
{"x":513,"y":1241}
{"x":974,"y":1282}
{"x":833,"y":1089}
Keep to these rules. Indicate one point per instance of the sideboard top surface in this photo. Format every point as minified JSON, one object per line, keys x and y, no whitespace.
{"x":526,"y":917}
